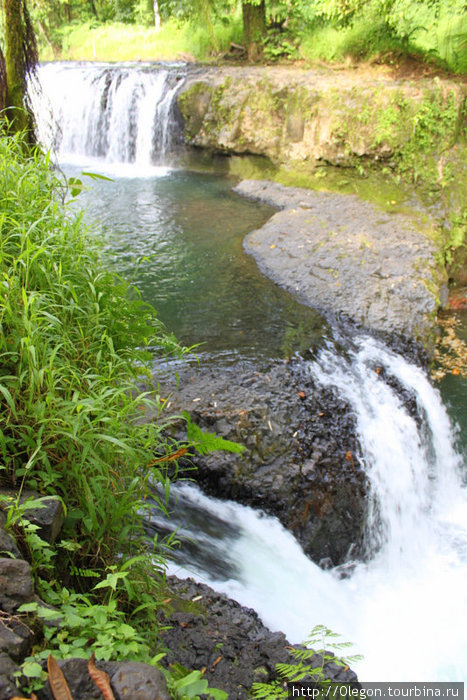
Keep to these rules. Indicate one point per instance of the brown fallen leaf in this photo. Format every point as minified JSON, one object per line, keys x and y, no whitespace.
{"x":169,"y":458}
{"x":219,"y":658}
{"x":57,"y":681}
{"x":101,"y":679}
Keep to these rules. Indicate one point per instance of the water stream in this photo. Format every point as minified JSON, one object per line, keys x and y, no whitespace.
{"x":179,"y":235}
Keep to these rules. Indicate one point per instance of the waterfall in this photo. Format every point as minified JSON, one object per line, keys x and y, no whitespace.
{"x":405,"y":608}
{"x":116,"y":114}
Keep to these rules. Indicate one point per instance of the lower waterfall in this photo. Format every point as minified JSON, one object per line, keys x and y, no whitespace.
{"x":402,"y":608}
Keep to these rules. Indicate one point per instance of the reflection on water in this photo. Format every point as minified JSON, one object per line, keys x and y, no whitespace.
{"x":179,"y":239}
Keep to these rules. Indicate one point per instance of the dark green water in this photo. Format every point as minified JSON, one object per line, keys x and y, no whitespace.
{"x":179,"y":237}
{"x":454,"y":392}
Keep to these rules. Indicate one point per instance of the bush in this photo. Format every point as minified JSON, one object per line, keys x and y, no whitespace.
{"x":73,"y":348}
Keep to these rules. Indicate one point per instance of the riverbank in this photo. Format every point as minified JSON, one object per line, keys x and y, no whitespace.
{"x":390,"y":137}
{"x":346,"y":258}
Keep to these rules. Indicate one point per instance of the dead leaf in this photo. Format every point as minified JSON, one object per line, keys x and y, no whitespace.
{"x":216,"y":662}
{"x":349,"y":456}
{"x":301,"y":394}
{"x":57,"y":681}
{"x":100,"y":678}
{"x":169,"y":458}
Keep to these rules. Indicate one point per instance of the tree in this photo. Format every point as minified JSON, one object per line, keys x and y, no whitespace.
{"x":21,"y":58}
{"x":254,"y":27}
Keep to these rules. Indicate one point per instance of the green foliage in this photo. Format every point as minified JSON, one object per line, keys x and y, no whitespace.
{"x":184,"y":685}
{"x":309,"y":664}
{"x":205,"y":442}
{"x":73,"y":354}
{"x":325,"y":29}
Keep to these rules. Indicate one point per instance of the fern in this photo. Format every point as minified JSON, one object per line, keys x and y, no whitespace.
{"x":309,"y":663}
{"x":205,"y":442}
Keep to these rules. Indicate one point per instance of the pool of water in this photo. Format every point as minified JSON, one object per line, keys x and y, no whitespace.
{"x":178,"y":237}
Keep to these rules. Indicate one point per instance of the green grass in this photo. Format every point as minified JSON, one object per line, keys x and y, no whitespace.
{"x":368,"y":36}
{"x":72,"y":351}
{"x":125,"y":42}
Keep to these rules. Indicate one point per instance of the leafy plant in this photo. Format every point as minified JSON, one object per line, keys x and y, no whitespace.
{"x":204,"y":441}
{"x":187,"y":685}
{"x":309,"y":664}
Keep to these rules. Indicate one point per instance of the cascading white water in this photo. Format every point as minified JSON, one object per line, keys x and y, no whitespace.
{"x":406,"y":608}
{"x":118,"y":114}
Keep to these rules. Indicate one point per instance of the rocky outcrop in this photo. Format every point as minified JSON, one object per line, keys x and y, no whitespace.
{"x":300,"y":464}
{"x":347,"y":258}
{"x":294,"y":115}
{"x":228,"y":640}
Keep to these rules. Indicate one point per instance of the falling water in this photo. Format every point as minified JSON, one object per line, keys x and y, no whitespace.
{"x":405,"y":609}
{"x":122,"y":114}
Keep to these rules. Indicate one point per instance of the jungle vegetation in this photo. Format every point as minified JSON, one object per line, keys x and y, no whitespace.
{"x":254,"y":30}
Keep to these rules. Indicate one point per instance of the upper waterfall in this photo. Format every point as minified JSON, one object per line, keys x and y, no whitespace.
{"x":116,"y":113}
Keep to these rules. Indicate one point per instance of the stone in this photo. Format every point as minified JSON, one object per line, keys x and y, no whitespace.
{"x":299,"y":471}
{"x":16,"y":584}
{"x":15,"y":638}
{"x":226,"y":639}
{"x":313,"y":115}
{"x":8,"y":545}
{"x":49,"y":518}
{"x":137,"y":681}
{"x":348,"y":259}
{"x":128,"y":680}
{"x":8,"y":687}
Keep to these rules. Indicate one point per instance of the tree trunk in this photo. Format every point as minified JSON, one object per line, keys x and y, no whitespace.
{"x":254,"y":28}
{"x":93,"y":8}
{"x":20,"y":60}
{"x":15,"y":64}
{"x":157,"y":16}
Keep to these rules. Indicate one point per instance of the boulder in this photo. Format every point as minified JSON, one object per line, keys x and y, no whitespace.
{"x":16,"y":584}
{"x":48,"y":517}
{"x":210,"y":631}
{"x":128,"y":680}
{"x":300,"y":464}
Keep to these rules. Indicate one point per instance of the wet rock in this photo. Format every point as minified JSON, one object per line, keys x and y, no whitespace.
{"x":8,"y":545}
{"x":135,"y":681}
{"x":213,"y":632}
{"x":16,"y":584}
{"x":299,"y":439}
{"x":346,"y":258}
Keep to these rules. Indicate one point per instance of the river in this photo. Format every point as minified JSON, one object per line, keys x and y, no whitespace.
{"x":177,"y":234}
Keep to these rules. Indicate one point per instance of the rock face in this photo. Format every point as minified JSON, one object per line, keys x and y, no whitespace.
{"x":299,"y":116}
{"x":300,"y":464}
{"x":347,"y":258}
{"x":229,"y":641}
